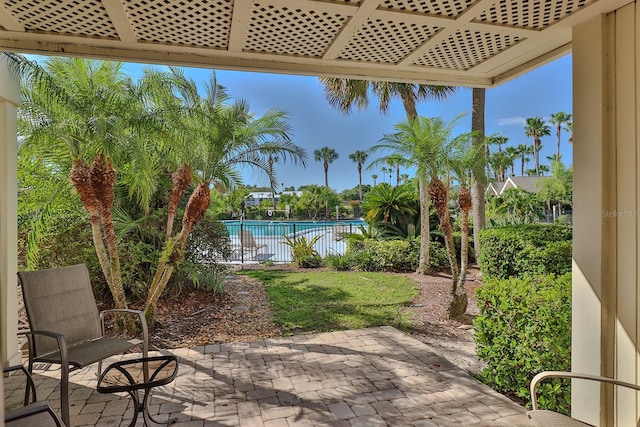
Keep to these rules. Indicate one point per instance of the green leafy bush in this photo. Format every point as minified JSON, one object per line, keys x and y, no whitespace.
{"x":388,"y":255}
{"x":524,"y":327}
{"x":525,"y":249}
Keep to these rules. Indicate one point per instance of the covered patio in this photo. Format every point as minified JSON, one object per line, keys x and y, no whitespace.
{"x":476,"y":43}
{"x":367,"y":377}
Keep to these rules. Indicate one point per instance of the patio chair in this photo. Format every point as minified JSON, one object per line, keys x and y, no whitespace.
{"x":65,"y":325}
{"x":247,"y":242}
{"x":34,"y":414}
{"x":549,"y":418}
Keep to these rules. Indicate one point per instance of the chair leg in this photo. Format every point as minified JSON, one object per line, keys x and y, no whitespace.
{"x":64,"y":394}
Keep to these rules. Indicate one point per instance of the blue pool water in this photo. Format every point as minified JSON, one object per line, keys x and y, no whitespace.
{"x":278,"y":228}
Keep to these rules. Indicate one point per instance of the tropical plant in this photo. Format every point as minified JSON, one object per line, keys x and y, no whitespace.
{"x":302,"y":252}
{"x":374,"y":177}
{"x":536,"y":128}
{"x":389,"y":205}
{"x":480,"y":177}
{"x":359,"y":157}
{"x":558,"y":119}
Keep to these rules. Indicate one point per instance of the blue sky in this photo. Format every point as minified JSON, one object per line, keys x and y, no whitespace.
{"x":541,"y":92}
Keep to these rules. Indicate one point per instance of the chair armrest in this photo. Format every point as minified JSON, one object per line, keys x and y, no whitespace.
{"x":143,"y":322}
{"x":561,"y":374}
{"x":62,"y":345}
{"x":30,"y":386}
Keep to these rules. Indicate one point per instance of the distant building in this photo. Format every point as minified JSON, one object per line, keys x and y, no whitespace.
{"x":257,"y":197}
{"x":532,"y":184}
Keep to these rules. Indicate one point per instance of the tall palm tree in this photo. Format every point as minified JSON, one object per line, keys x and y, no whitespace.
{"x":359,"y":157}
{"x":512,"y":154}
{"x":345,"y":93}
{"x":327,"y":156}
{"x":523,"y":151}
{"x":569,"y":128}
{"x":536,"y":128}
{"x":480,"y":178}
{"x":558,"y":119}
{"x":375,"y":177}
{"x":384,"y":171}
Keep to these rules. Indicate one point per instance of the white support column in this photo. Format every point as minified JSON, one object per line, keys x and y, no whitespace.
{"x":606,"y":250}
{"x":9,"y":99}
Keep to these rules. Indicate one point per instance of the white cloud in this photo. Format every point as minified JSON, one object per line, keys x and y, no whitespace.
{"x":509,"y":121}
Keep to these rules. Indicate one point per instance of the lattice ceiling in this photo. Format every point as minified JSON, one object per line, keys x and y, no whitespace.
{"x":467,"y":42}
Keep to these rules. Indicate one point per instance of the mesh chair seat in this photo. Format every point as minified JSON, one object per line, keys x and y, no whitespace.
{"x":90,"y":352}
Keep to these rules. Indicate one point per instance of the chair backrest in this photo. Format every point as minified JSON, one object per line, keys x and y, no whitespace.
{"x":60,"y":300}
{"x":246,"y":238}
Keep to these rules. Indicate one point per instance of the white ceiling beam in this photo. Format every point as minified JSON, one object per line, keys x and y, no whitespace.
{"x":220,"y":59}
{"x":239,"y":24}
{"x":367,"y":7}
{"x":120,"y":20}
{"x":9,"y":22}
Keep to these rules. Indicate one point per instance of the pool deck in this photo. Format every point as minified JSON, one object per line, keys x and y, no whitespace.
{"x":367,"y":377}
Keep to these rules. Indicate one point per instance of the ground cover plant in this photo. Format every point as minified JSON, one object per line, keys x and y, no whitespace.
{"x":314,"y":301}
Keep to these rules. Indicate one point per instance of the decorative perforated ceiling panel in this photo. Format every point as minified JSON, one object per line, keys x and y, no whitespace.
{"x":466,"y":42}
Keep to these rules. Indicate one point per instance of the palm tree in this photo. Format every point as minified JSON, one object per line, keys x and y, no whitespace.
{"x":345,"y":93}
{"x":374,"y":176}
{"x":85,"y":122}
{"x":272,"y":182}
{"x":359,"y":157}
{"x":523,"y":150}
{"x":569,"y":128}
{"x":462,"y":164}
{"x":536,"y":128}
{"x":384,"y":171}
{"x":512,"y":154}
{"x":327,"y":156}
{"x":559,"y":119}
{"x":428,"y":144}
{"x":222,"y":137}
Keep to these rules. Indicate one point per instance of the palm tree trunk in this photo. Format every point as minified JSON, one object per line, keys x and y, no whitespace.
{"x":424,"y":261}
{"x":458,"y":303}
{"x":81,"y":180}
{"x":173,"y":252}
{"x":558,"y":150}
{"x":439,"y":197}
{"x":360,"y":180}
{"x":479,"y":177}
{"x":181,"y":179}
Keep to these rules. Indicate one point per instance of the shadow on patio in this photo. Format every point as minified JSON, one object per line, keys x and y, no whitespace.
{"x":367,"y":377}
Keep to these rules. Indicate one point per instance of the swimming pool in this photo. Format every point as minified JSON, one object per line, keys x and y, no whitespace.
{"x":278,"y":228}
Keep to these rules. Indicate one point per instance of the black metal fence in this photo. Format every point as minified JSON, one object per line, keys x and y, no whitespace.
{"x":265,"y":241}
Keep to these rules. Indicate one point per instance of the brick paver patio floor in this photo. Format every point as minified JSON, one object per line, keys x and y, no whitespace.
{"x":367,"y":377}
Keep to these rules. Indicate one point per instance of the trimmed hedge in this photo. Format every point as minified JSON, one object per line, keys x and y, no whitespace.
{"x":524,"y":327}
{"x":530,"y":249}
{"x":388,"y":255}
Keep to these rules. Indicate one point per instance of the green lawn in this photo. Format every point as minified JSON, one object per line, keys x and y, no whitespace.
{"x":331,"y":300}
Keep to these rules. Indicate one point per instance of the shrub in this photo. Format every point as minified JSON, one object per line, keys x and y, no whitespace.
{"x":338,"y":262}
{"x":525,"y":249}
{"x":524,"y":327}
{"x":387,"y":255}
